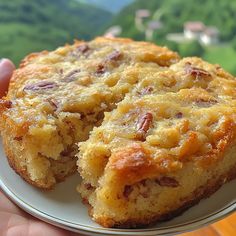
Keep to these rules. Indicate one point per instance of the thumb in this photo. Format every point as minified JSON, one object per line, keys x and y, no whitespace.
{"x":6,"y":70}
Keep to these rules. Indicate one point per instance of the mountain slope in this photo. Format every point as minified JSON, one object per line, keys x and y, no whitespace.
{"x":115,"y":7}
{"x":27,"y":26}
{"x":173,"y":14}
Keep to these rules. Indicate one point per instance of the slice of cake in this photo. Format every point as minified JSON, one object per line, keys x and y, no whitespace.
{"x":56,"y":98}
{"x":168,"y":144}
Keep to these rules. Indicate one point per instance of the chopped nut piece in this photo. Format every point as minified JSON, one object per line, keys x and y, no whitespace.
{"x":42,"y":85}
{"x":205,"y":103}
{"x":143,"y":125}
{"x":144,"y":195}
{"x":179,"y":115}
{"x":143,"y":182}
{"x":61,"y":71}
{"x":71,"y":76}
{"x":145,"y":91}
{"x":114,"y":56}
{"x":18,"y":138}
{"x":100,"y":69}
{"x":167,"y":182}
{"x":127,"y":191}
{"x":88,"y":186}
{"x":83,"y":48}
{"x":53,"y":103}
{"x":196,"y":72}
{"x":5,"y":103}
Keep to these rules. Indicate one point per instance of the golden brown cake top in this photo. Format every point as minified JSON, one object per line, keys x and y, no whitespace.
{"x":73,"y":83}
{"x":183,"y":113}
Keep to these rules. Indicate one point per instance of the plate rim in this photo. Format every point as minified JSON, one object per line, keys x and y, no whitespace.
{"x":85,"y":229}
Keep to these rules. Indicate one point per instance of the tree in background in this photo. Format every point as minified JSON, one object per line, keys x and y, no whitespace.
{"x":190,"y":49}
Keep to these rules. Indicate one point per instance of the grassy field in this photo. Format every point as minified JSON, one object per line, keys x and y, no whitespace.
{"x":223,"y":55}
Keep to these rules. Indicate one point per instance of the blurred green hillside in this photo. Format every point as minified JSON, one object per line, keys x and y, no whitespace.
{"x":114,"y":7}
{"x":29,"y":26}
{"x":35,"y":25}
{"x":174,"y":13}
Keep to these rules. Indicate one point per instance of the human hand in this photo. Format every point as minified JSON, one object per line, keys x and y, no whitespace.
{"x":6,"y":70}
{"x":13,"y":221}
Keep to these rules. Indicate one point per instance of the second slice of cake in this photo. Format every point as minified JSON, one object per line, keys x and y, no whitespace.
{"x":168,"y":144}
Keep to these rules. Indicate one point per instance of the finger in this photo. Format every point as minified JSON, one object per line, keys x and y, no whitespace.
{"x":7,"y":206}
{"x":6,"y":70}
{"x":15,"y":222}
{"x":35,"y":229}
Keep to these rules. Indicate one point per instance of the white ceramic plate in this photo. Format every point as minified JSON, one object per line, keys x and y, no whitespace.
{"x":63,"y":207}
